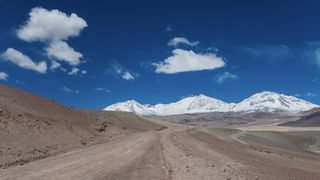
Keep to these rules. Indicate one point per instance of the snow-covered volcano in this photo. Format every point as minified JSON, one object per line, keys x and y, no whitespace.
{"x":265,"y":101}
{"x":131,"y":106}
{"x":193,"y":104}
{"x":268,"y":101}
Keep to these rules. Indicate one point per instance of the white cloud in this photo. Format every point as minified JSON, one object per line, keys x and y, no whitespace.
{"x":75,"y":71}
{"x":312,"y":52}
{"x":127,"y":76}
{"x":317,"y":56}
{"x":48,"y":25}
{"x":23,"y":61}
{"x":185,"y":61}
{"x":60,"y":50}
{"x":19,"y":82}
{"x":226,"y":76}
{"x":70,"y":90}
{"x":54,"y":28}
{"x":169,"y":28}
{"x":55,"y":65}
{"x":176,"y":41}
{"x":310,"y":94}
{"x":268,"y":52}
{"x":118,"y":71}
{"x":103,"y":89}
{"x":3,"y":76}
{"x":83,"y":71}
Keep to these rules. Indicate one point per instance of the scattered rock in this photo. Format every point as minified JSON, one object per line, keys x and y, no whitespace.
{"x":102,"y":126}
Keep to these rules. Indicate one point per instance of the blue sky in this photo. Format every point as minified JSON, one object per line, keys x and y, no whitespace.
{"x":90,"y":55}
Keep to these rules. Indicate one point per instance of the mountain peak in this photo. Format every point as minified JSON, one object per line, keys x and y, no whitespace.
{"x":132,"y":101}
{"x":266,"y":93}
{"x":271,"y":102}
{"x":202,"y":95}
{"x":197,"y":96}
{"x":130,"y":106}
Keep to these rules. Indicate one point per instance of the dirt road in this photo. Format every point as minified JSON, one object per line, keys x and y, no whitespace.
{"x":135,"y":157}
{"x":173,"y":153}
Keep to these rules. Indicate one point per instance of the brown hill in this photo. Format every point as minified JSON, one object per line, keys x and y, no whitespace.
{"x":222,"y":119}
{"x":310,"y":120}
{"x":32,"y":127}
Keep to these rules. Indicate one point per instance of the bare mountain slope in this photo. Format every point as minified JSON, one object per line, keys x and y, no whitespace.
{"x":32,"y":127}
{"x":310,"y":120}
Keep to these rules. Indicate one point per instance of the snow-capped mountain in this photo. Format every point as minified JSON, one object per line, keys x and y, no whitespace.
{"x":193,"y":104}
{"x":131,"y":106}
{"x":268,"y":101}
{"x":265,"y":102}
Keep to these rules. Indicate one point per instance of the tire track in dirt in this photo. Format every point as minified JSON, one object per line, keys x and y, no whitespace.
{"x":165,"y":162}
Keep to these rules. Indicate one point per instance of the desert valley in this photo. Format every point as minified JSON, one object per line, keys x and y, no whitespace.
{"x":41,"y":139}
{"x":159,"y":90}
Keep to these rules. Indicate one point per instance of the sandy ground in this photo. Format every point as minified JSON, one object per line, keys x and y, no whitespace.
{"x":278,"y":128}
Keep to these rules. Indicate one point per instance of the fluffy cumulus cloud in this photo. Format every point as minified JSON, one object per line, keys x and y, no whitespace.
{"x":3,"y":76}
{"x":60,"y":50}
{"x":23,"y":61}
{"x":54,"y":28}
{"x":47,"y":25}
{"x":177,"y":41}
{"x":187,"y":60}
{"x":225,"y":76}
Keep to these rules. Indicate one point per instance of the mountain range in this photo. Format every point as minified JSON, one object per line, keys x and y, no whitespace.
{"x":265,"y":101}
